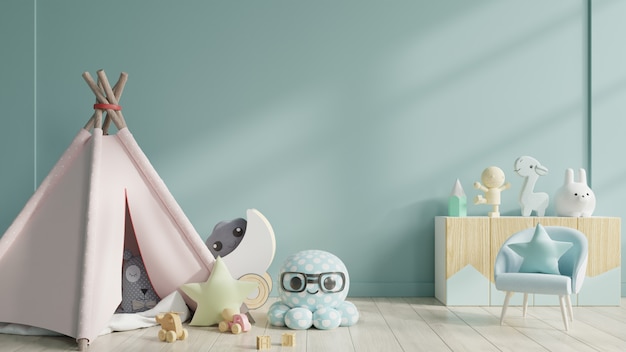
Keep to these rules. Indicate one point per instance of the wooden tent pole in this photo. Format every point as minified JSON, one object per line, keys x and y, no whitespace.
{"x":117,"y":116}
{"x":118,"y":89}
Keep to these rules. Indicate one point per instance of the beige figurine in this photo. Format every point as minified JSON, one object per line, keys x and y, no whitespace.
{"x":493,"y":183}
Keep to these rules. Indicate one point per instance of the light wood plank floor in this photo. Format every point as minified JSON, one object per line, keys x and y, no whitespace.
{"x":387,"y":324}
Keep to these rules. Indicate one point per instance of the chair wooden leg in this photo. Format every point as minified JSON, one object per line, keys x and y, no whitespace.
{"x":507,"y":298}
{"x":568,"y":300}
{"x":564,"y":309}
{"x":525,"y":307}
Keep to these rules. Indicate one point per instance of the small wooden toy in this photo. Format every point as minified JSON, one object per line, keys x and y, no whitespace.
{"x":493,"y":184}
{"x":263,"y":342}
{"x":171,"y":327}
{"x":235,"y":322}
{"x":530,"y":169}
{"x":289,"y":340}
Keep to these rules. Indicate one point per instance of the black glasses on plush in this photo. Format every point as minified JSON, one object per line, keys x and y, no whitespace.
{"x":331,"y":282}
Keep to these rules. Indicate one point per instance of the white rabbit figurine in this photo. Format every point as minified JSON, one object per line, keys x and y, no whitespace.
{"x":575,"y":199}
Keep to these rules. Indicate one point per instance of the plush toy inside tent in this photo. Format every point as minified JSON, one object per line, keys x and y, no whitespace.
{"x":69,"y":239}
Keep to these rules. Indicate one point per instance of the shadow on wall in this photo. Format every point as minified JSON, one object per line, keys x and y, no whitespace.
{"x":315,"y":122}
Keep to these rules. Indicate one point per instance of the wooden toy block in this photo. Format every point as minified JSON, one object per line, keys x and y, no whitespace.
{"x":289,"y":340}
{"x":457,"y":203}
{"x":263,"y":342}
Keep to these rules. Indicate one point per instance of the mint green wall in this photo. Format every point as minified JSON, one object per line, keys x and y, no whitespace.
{"x":608,"y":89}
{"x":17,"y":107}
{"x":345,"y":122}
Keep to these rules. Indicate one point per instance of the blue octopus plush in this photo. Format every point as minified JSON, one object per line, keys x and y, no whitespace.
{"x":313,"y":287}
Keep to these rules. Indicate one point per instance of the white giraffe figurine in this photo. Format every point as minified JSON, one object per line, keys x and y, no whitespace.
{"x":530,"y":169}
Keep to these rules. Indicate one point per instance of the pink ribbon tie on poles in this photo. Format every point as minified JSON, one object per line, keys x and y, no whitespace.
{"x":107,"y":106}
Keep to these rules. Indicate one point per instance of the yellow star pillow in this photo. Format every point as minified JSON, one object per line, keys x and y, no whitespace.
{"x":541,"y":254}
{"x":219,"y":292}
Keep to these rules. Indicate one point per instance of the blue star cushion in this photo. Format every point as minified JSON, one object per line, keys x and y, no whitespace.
{"x":541,"y":254}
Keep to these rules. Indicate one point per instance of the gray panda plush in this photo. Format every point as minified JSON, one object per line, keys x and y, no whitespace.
{"x":138,"y":295}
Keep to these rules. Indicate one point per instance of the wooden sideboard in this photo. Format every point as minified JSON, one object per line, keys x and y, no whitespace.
{"x":466,"y":249}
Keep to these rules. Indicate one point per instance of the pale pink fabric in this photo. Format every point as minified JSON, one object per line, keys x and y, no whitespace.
{"x":66,"y":244}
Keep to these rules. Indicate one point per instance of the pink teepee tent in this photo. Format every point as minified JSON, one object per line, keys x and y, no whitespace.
{"x":61,"y":259}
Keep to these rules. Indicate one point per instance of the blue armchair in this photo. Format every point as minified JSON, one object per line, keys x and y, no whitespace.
{"x":568,"y":280}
